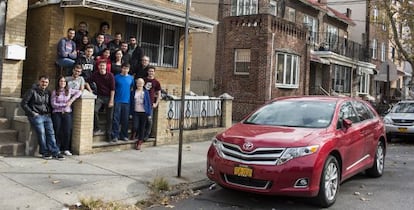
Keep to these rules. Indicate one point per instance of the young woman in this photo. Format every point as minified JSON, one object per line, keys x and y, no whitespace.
{"x":61,"y":100}
{"x":116,"y":65}
{"x":82,"y":46}
{"x":142,"y":110}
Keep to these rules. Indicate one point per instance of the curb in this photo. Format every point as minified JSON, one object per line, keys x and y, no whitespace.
{"x":197,"y":185}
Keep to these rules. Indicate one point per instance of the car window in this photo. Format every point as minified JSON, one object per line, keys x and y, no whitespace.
{"x":362,"y":111}
{"x":403,"y":108}
{"x":309,"y":114}
{"x":347,"y":112}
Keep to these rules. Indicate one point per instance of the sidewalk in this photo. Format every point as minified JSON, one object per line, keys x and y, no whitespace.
{"x":35,"y":183}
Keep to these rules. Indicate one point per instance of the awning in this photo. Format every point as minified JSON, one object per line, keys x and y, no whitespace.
{"x":408,"y":69}
{"x":383,"y":69}
{"x":319,"y":59}
{"x":145,"y":9}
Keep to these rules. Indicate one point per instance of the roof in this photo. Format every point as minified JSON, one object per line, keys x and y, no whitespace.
{"x":330,"y":11}
{"x":151,"y":10}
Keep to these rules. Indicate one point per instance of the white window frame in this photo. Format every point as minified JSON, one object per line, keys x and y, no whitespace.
{"x":375,"y":13}
{"x":245,"y":60}
{"x":332,"y":35}
{"x":313,"y":26}
{"x":293,"y":81}
{"x":345,"y":75}
{"x":244,"y":7}
{"x":290,"y":14}
{"x":374,"y":49}
{"x":273,"y":7}
{"x":364,"y":83}
{"x":383,"y":52}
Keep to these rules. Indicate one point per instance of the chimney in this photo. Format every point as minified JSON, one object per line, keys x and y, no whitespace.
{"x":348,"y":12}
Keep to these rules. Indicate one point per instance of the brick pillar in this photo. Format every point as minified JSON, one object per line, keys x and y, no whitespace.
{"x":11,"y":70}
{"x":161,"y":123}
{"x":82,"y":134}
{"x":227,"y":110}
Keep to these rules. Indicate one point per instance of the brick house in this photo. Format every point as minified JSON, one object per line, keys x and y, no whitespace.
{"x":158,"y":25}
{"x":268,"y":49}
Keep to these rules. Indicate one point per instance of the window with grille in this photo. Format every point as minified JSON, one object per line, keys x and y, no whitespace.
{"x":244,"y":7}
{"x":159,"y":42}
{"x":241,"y":61}
{"x":287,"y":70}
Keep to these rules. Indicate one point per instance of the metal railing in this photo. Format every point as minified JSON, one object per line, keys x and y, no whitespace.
{"x":198,"y":113}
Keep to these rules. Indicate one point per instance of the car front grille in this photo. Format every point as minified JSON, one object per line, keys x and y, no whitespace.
{"x":406,"y":122}
{"x":258,"y":156}
{"x":247,"y":182}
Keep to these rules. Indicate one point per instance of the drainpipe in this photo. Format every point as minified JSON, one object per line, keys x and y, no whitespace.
{"x":272,"y":54}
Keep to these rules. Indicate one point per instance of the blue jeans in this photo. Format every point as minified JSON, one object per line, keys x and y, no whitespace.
{"x":62,"y":123}
{"x":67,"y":64}
{"x":121,"y":115}
{"x":45,"y":135}
{"x":148,"y":126}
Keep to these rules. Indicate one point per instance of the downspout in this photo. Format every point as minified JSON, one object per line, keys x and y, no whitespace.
{"x":271,"y":68}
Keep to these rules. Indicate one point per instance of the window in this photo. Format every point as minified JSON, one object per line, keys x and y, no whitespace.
{"x":158,"y":41}
{"x":312,"y":25}
{"x":243,"y":7}
{"x":241,"y":61}
{"x":332,"y":36}
{"x":287,"y":70}
{"x":347,"y":112}
{"x":364,"y":83}
{"x":290,"y":14}
{"x":374,"y":49}
{"x":383,"y":51}
{"x":375,"y":14}
{"x":341,"y":82}
{"x":362,"y":110}
{"x":273,"y":7}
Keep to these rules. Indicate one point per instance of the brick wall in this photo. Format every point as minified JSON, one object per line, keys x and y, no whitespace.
{"x":254,"y":32}
{"x":15,"y":32}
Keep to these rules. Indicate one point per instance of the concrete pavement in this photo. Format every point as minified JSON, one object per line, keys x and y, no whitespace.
{"x":35,"y":183}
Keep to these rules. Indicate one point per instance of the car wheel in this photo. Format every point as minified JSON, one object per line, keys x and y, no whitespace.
{"x":378,"y":168}
{"x":329,"y":184}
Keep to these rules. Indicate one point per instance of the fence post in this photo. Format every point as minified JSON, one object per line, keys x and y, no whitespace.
{"x":82,"y":134}
{"x":227,"y":109}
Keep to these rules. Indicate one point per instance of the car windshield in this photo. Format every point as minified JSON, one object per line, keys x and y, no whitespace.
{"x":292,"y":113}
{"x":403,"y":108}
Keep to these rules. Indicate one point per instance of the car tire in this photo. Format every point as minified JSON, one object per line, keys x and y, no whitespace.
{"x":378,"y":167}
{"x":329,"y":183}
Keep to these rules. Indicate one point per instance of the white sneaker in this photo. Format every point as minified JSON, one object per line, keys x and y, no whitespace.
{"x":67,"y":153}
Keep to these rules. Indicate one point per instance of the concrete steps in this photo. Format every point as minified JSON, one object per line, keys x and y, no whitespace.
{"x":9,"y":146}
{"x":4,"y":123}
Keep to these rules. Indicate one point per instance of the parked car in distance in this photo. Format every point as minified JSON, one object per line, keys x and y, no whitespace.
{"x":299,"y":146}
{"x":399,"y":121}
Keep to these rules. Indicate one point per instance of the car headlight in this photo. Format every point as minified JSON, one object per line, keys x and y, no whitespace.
{"x":218,"y":145}
{"x":291,"y":153}
{"x":387,"y":120}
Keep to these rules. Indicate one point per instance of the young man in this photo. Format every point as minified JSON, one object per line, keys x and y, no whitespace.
{"x":66,"y":51}
{"x":36,"y":105}
{"x":99,"y":45}
{"x":105,"y":85}
{"x":141,"y":70}
{"x":125,"y":56}
{"x":154,"y":88}
{"x":87,"y":62}
{"x":123,"y":85}
{"x":132,"y":45}
{"x":76,"y":81}
{"x":115,"y":44}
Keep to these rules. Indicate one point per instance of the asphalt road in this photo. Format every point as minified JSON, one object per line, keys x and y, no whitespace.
{"x":394,"y":190}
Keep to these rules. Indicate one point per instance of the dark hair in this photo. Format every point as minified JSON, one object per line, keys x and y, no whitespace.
{"x":100,"y":34}
{"x":57,"y":89}
{"x":125,"y":65}
{"x":123,"y":43}
{"x":77,"y":66}
{"x":89,"y":46}
{"x":83,"y":22}
{"x":71,"y":29}
{"x":104,"y":24}
{"x":151,"y":67}
{"x":43,"y":77}
{"x":118,"y":33}
{"x":132,"y":37}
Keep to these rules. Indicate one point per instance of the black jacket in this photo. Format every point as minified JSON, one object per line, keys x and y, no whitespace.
{"x":36,"y":101}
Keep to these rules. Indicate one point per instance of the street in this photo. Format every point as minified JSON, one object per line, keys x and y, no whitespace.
{"x":391,"y":191}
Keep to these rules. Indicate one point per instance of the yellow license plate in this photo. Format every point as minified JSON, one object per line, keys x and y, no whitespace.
{"x":402,"y":130}
{"x":243,"y":171}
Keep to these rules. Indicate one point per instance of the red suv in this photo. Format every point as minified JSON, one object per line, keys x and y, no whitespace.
{"x":300,"y":146}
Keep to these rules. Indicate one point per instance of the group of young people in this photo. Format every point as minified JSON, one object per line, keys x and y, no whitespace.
{"x":121,"y":78}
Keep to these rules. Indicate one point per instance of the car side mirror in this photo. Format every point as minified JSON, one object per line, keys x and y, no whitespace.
{"x":347,"y":123}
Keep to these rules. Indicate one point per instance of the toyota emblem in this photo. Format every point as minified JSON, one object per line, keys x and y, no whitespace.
{"x":248,"y":146}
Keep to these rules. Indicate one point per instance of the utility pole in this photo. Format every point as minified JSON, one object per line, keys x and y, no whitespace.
{"x":181,"y":120}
